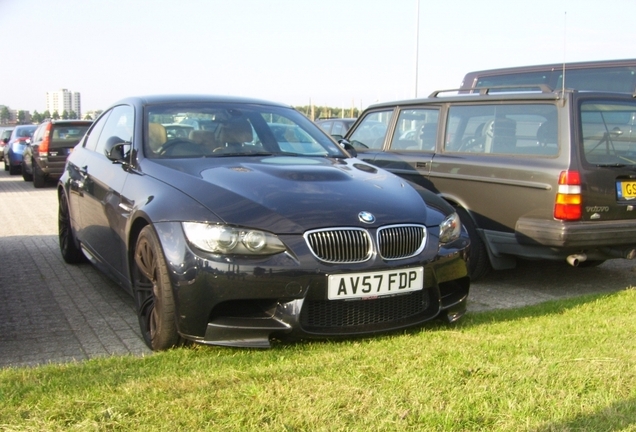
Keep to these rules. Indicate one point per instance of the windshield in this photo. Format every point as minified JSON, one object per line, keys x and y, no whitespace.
{"x":608,"y":131}
{"x":222,"y":129}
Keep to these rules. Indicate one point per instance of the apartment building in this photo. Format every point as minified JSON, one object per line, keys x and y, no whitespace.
{"x":64,"y":100}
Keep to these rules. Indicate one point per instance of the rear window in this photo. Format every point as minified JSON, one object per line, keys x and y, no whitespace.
{"x":67,"y":135}
{"x":608,"y":131}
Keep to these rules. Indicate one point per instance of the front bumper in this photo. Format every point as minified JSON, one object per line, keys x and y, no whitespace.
{"x":247,"y":302}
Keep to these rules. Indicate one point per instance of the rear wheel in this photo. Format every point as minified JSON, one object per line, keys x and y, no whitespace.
{"x":39,"y":179}
{"x":478,"y":263}
{"x":14,"y":169}
{"x":153,"y":293}
{"x":71,"y":253}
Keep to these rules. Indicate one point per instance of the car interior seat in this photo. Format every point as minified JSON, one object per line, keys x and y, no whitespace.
{"x":428,"y":136}
{"x":501,"y":135}
{"x":156,"y":136}
{"x":232,"y":134}
{"x":204,"y":138}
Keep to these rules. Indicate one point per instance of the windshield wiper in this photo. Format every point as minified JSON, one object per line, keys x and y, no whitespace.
{"x":221,"y":154}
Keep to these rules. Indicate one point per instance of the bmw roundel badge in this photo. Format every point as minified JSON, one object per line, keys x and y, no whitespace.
{"x":366,"y":217}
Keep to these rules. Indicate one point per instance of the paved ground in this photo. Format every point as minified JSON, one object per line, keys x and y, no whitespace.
{"x":54,"y":312}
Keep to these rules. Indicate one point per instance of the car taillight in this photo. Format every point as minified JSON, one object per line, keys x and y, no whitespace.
{"x":43,"y":148}
{"x":568,"y":203}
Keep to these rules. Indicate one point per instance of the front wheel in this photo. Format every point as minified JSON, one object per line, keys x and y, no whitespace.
{"x":153,"y":293}
{"x":71,"y":253}
{"x":25,"y":175}
{"x":478,"y":262}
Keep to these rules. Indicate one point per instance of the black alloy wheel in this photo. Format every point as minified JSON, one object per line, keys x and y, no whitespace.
{"x":71,"y":253}
{"x":153,"y":293}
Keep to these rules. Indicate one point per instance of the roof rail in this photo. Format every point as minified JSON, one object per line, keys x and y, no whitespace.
{"x":486,"y":90}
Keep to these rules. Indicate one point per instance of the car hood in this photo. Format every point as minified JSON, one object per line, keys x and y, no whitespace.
{"x":293,"y":194}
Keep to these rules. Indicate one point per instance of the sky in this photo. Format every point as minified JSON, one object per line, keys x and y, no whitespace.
{"x":337,"y":53}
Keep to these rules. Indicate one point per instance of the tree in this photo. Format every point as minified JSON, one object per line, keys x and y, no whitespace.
{"x":21,"y":117}
{"x":65,"y":115}
{"x":4,"y":115}
{"x":36,"y":117}
{"x":55,"y":115}
{"x":46,"y":114}
{"x":72,"y":115}
{"x":88,"y":117}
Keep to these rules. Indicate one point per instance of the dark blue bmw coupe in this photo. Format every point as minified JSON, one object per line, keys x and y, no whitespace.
{"x":237,"y":221}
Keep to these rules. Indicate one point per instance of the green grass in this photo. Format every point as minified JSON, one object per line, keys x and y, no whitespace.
{"x":559,"y":366}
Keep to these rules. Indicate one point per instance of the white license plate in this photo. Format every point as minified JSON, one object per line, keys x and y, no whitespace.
{"x":375,"y":284}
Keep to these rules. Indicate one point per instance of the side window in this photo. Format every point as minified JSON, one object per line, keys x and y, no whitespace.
{"x":118,"y":127}
{"x":416,"y":129}
{"x":371,"y":132}
{"x":520,"y":129}
{"x":96,"y":130}
{"x":38,"y":135}
{"x":326,"y":126}
{"x":338,"y":129}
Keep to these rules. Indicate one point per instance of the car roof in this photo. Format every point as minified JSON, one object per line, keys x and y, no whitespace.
{"x":175,"y":98}
{"x":483,"y":95}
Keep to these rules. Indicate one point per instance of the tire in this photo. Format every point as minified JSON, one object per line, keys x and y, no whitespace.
{"x":69,"y":248}
{"x":39,"y":179}
{"x":153,"y":293}
{"x":14,"y":170}
{"x":478,"y":262}
{"x":25,"y":175}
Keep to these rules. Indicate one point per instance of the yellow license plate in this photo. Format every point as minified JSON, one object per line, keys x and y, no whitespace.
{"x":628,"y":189}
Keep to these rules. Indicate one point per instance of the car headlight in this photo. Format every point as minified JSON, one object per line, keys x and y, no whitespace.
{"x":225,"y":239}
{"x":450,"y":228}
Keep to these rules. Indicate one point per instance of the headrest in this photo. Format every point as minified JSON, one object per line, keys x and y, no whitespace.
{"x":235,"y":131}
{"x":156,"y":136}
{"x":204,"y":137}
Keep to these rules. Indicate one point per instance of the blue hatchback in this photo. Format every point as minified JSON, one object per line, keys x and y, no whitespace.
{"x":15,"y":148}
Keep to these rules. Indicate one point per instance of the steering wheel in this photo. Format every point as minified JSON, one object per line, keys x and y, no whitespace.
{"x":471,"y":144}
{"x":174,"y":142}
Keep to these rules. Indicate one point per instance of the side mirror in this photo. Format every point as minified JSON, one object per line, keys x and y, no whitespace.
{"x":114,"y":149}
{"x":348,"y":147}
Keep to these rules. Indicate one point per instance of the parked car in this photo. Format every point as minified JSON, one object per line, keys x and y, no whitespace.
{"x":15,"y":147}
{"x":5,"y":134}
{"x":336,"y":127}
{"x":602,"y":75}
{"x":45,"y":155}
{"x":225,"y":238}
{"x":537,"y":174}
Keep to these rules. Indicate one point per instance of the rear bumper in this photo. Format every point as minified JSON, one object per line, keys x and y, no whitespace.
{"x":557,"y":240}
{"x":560,"y":234}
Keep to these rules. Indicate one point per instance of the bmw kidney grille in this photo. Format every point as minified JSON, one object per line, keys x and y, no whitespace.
{"x":354,"y":245}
